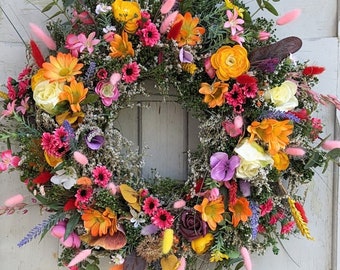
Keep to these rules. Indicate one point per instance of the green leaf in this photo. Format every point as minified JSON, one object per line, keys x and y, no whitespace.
{"x":71,"y":224}
{"x":239,"y":266}
{"x":91,"y":98}
{"x":333,"y":154}
{"x":312,"y":161}
{"x":48,"y":7}
{"x":56,"y":14}
{"x":61,"y":107}
{"x":270,"y":8}
{"x":260,"y":4}
{"x":67,"y":3}
{"x":92,"y":267}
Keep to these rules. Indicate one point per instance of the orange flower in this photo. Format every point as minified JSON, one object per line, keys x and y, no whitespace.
{"x":214,"y":94}
{"x":240,"y":210}
{"x":273,"y":132}
{"x":190,"y":33}
{"x":281,"y":161}
{"x":74,"y":118}
{"x":120,"y":46}
{"x":127,"y":13}
{"x":100,"y":224}
{"x":230,"y":62}
{"x":211,"y":211}
{"x":62,"y":68}
{"x":74,"y":94}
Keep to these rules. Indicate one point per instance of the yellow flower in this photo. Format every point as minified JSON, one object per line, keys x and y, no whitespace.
{"x":189,"y":67}
{"x":273,"y":132}
{"x":52,"y":160}
{"x":281,"y":161}
{"x":200,"y":245}
{"x":74,"y":118}
{"x":46,"y":95}
{"x":131,"y":196}
{"x":170,"y":263}
{"x":100,"y":223}
{"x":127,"y":13}
{"x":62,"y":68}
{"x":189,"y":34}
{"x":241,"y":210}
{"x":120,"y":46}
{"x":218,"y":256}
{"x":168,"y":239}
{"x":230,"y":62}
{"x":211,"y":211}
{"x":214,"y":94}
{"x":230,"y":5}
{"x":74,"y":94}
{"x":37,"y":78}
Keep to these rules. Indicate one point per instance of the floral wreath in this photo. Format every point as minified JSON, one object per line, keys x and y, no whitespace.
{"x":259,"y":143}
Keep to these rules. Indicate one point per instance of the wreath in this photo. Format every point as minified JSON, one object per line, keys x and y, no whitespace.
{"x":258,"y":141}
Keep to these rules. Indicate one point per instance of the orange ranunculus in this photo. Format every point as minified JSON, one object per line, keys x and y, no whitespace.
{"x":100,"y":223}
{"x":74,"y":118}
{"x":240,"y":210}
{"x":120,"y":46}
{"x":273,"y":132}
{"x":281,"y":161}
{"x":128,"y":13}
{"x":214,"y":94}
{"x":189,"y":34}
{"x":74,"y":94}
{"x":230,"y":62}
{"x":211,"y":211}
{"x":62,"y":68}
{"x":201,"y":244}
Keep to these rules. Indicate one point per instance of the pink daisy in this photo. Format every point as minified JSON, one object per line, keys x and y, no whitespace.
{"x":149,"y":35}
{"x":101,"y":176}
{"x":288,"y":227}
{"x":151,"y":205}
{"x":130,"y":72}
{"x":276,"y":217}
{"x":235,"y":97}
{"x":83,"y":197}
{"x":162,"y":219}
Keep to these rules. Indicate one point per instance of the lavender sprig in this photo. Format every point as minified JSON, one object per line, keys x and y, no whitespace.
{"x":279,"y":115}
{"x":254,"y":219}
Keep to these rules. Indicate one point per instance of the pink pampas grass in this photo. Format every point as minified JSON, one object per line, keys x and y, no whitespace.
{"x":246,"y":257}
{"x":39,"y":33}
{"x":14,"y":200}
{"x":167,"y":22}
{"x":167,"y":6}
{"x":288,"y":17}
{"x":82,"y":255}
{"x":80,"y":158}
{"x":330,"y":144}
{"x":295,"y":151}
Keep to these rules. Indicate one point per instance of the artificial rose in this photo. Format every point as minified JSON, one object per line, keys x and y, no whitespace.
{"x":46,"y":95}
{"x":200,"y":245}
{"x":107,"y":92}
{"x":230,"y":62}
{"x":253,"y":158}
{"x":128,"y":13}
{"x":191,"y":225}
{"x":283,"y":96}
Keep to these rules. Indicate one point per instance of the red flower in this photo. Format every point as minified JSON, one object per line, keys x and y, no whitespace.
{"x":42,"y":178}
{"x":299,"y":207}
{"x":70,"y":205}
{"x":313,"y":70}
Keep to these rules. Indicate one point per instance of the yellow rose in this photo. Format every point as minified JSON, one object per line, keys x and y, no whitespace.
{"x":200,"y":245}
{"x":281,"y":161}
{"x":283,"y":96}
{"x":46,"y":95}
{"x":230,"y":62}
{"x":127,"y":13}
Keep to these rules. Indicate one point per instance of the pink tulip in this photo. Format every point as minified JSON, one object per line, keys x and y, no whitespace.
{"x":288,"y":17}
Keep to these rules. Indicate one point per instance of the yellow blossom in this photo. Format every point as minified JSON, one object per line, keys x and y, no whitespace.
{"x":127,"y":13}
{"x":168,"y":239}
{"x":200,"y":245}
{"x":281,"y":161}
{"x":218,"y":256}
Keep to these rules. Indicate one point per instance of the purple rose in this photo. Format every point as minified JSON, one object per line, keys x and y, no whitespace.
{"x":191,"y":225}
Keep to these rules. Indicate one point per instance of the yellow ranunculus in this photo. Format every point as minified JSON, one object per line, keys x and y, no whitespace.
{"x":230,"y":62}
{"x":46,"y":94}
{"x":127,"y":13}
{"x":200,"y":245}
{"x":281,"y":161}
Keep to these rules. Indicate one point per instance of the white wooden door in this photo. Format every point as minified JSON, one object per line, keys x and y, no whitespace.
{"x":168,"y":131}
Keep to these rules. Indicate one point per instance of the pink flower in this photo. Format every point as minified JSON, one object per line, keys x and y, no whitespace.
{"x":234,"y":23}
{"x":288,"y":17}
{"x":212,"y":194}
{"x":234,"y":128}
{"x":237,"y":38}
{"x":209,"y":68}
{"x":14,"y":200}
{"x":23,"y":105}
{"x":162,"y":219}
{"x":73,"y":44}
{"x":167,"y":22}
{"x":102,"y":74}
{"x":108,"y":90}
{"x":12,"y":93}
{"x":82,"y":255}
{"x":150,"y":205}
{"x":83,"y":197}
{"x":288,"y":227}
{"x":59,"y":230}
{"x":149,"y":35}
{"x":263,"y":36}
{"x":56,"y":144}
{"x":10,"y":109}
{"x":179,"y":204}
{"x":80,"y":158}
{"x":109,"y":36}
{"x":276,"y":217}
{"x":8,"y":160}
{"x":267,"y":207}
{"x":130,"y":72}
{"x":77,"y":44}
{"x":84,"y":17}
{"x":167,"y":6}
{"x":101,"y":176}
{"x":112,"y":188}
{"x":295,"y":151}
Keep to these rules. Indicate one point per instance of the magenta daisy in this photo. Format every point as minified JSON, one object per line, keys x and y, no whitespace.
{"x":288,"y":227}
{"x":149,"y":35}
{"x":162,"y":219}
{"x":130,"y":72}
{"x":235,"y":97}
{"x":101,"y":176}
{"x":83,"y":197}
{"x":151,"y":205}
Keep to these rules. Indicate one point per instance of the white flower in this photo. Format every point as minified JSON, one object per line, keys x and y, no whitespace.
{"x":117,"y":259}
{"x":46,"y":95}
{"x":66,"y":177}
{"x":253,"y":158}
{"x":109,"y":28}
{"x":283,"y":96}
{"x":137,"y":218}
{"x":102,"y":8}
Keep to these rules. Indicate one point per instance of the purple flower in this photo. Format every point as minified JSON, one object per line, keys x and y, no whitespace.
{"x":94,"y":140}
{"x":223,"y":168}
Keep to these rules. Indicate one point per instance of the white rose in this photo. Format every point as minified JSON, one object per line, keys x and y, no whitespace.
{"x":283,"y":96}
{"x":46,"y":95}
{"x":253,"y":158}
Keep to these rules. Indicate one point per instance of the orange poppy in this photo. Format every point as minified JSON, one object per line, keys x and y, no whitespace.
{"x":74,"y":94}
{"x":240,"y":210}
{"x":214,"y":94}
{"x":62,"y":68}
{"x":273,"y":132}
{"x":120,"y":46}
{"x":211,"y":211}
